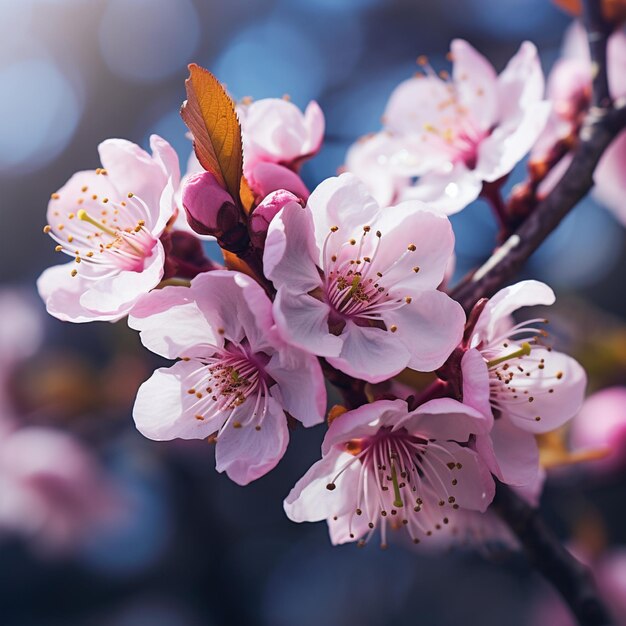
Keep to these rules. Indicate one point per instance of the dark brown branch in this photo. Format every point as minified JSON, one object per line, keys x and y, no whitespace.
{"x":600,"y":128}
{"x":598,"y":31}
{"x":571,"y":578}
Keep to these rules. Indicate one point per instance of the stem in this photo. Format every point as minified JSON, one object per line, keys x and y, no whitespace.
{"x":492,"y":192}
{"x":598,"y":31}
{"x":544,"y":550}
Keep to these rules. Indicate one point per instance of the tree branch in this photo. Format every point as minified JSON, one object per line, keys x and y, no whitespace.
{"x":572,"y":579}
{"x":598,"y":31}
{"x":600,"y":127}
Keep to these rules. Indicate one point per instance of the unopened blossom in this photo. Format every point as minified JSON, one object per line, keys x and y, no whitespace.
{"x":235,"y":378}
{"x":54,"y":492}
{"x":455,"y":133}
{"x":274,"y":130}
{"x":528,"y":387}
{"x":601,"y":426}
{"x":109,"y":222}
{"x":277,"y":138}
{"x":357,"y":284}
{"x":384,"y":467}
{"x":569,"y":90}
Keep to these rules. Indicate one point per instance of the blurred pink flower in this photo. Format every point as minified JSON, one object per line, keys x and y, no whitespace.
{"x":236,"y":377}
{"x":601,"y":424}
{"x":54,"y":493}
{"x":456,"y":134}
{"x":110,"y":222}
{"x":384,"y":465}
{"x":358,"y":284}
{"x":569,"y":89}
{"x":529,"y":388}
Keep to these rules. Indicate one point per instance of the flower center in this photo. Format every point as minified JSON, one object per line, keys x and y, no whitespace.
{"x":111,"y":235}
{"x":225,"y":381}
{"x":404,"y":479}
{"x":356,"y":286}
{"x":518,"y":377}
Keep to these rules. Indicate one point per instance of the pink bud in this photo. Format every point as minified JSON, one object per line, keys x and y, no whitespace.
{"x":267,"y":177}
{"x":265,"y":212}
{"x":210,"y":209}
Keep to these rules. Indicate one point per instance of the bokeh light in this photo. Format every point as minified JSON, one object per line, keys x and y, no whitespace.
{"x":148,"y":40}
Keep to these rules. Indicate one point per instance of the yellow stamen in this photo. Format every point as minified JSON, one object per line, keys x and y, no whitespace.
{"x":85,"y":217}
{"x":523,"y":351}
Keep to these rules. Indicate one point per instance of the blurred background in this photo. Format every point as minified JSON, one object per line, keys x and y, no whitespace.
{"x":152,"y":535}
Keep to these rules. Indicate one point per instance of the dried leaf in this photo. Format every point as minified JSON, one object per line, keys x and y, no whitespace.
{"x":210,"y":115}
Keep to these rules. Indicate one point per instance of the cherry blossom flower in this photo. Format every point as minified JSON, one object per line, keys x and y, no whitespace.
{"x":569,"y":89}
{"x":274,"y":130}
{"x":454,"y":134}
{"x":109,"y":221}
{"x":54,"y":493}
{"x":601,"y":425}
{"x":528,"y":387}
{"x":383,"y":466}
{"x":236,"y":377}
{"x":358,"y":284}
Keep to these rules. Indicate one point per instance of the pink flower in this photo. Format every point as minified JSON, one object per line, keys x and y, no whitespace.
{"x":110,"y":222}
{"x":601,"y":424}
{"x":53,"y":491}
{"x":528,"y":387}
{"x":358,"y":284}
{"x":236,"y":377}
{"x":383,"y":464}
{"x":456,"y":134}
{"x":274,"y":130}
{"x":569,"y":89}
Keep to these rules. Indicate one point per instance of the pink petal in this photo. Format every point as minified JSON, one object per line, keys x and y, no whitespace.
{"x":475,"y":82}
{"x":499,"y":153}
{"x":302,"y":321}
{"x":311,"y":501}
{"x":315,"y":124}
{"x":61,"y":294}
{"x":369,"y":353}
{"x":476,"y":388}
{"x":445,"y":419}
{"x":516,"y":452}
{"x":300,"y":386}
{"x":609,"y":178}
{"x":497,"y":311}
{"x":118,"y":293}
{"x":475,"y":487}
{"x":534,"y":398}
{"x":431,"y":327}
{"x":446,"y":190}
{"x":362,"y":422}
{"x":164,"y":410}
{"x":290,"y":254}
{"x":171,"y":324}
{"x":264,"y":178}
{"x":341,"y":201}
{"x":412,"y":224}
{"x":246,"y":454}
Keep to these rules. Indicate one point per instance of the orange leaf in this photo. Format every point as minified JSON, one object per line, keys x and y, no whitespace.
{"x":210,"y":115}
{"x":246,"y":195}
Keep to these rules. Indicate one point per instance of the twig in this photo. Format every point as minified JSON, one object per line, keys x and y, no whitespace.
{"x":598,"y":31}
{"x":600,"y":128}
{"x":572,"y":579}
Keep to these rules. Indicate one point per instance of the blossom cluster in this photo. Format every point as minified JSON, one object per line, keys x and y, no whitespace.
{"x":341,"y":287}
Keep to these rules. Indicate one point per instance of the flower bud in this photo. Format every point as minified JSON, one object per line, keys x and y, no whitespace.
{"x":265,"y":212}
{"x":267,"y":177}
{"x":210,"y":209}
